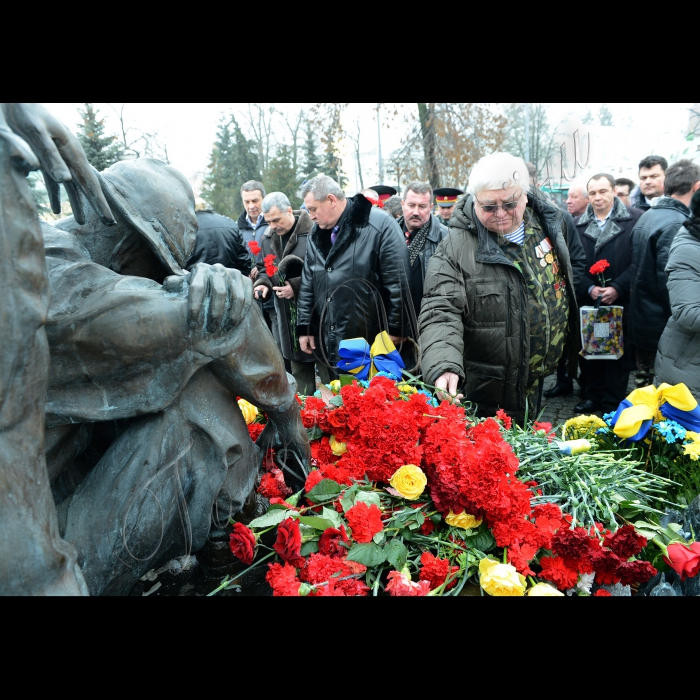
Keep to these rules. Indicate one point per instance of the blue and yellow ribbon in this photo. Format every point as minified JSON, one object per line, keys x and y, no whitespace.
{"x":642,"y":407}
{"x":358,"y":358}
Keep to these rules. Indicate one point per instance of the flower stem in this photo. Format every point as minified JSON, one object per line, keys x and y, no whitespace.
{"x":225,"y":583}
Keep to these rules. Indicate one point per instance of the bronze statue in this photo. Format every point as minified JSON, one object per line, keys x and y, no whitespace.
{"x":145,"y":443}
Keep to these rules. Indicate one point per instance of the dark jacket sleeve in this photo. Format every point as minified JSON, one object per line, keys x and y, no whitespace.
{"x":576,"y":254}
{"x":441,"y":317}
{"x":240,"y":256}
{"x":393,"y":255}
{"x":307,"y":318}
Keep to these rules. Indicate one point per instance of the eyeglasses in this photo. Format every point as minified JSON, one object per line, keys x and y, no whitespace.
{"x":506,"y":206}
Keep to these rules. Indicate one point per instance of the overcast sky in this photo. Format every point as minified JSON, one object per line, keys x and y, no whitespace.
{"x":189,"y":129}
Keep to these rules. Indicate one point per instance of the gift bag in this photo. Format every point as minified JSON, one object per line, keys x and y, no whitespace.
{"x":601,"y":332}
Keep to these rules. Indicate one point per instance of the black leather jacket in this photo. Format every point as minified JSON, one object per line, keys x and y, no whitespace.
{"x":219,"y":241}
{"x":349,"y":288}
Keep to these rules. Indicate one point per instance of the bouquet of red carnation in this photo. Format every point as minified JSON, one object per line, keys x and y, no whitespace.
{"x":270,"y":267}
{"x":599,"y":269}
{"x":254,"y":247}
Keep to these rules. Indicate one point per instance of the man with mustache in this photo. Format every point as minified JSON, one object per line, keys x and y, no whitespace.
{"x":422,"y":231}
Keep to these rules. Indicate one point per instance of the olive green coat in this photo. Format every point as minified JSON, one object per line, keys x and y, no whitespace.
{"x":474,"y":314}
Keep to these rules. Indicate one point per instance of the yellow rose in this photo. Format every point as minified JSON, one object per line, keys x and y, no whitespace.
{"x":409,"y":481}
{"x":544,"y":589}
{"x":500,"y":579}
{"x":249,"y":411}
{"x":337,"y":448}
{"x":463,"y":520}
{"x":335,"y":386}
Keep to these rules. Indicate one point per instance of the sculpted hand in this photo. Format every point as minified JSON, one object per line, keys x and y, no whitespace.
{"x":285,"y":292}
{"x":62,"y":159}
{"x":307,"y":343}
{"x":253,"y":273}
{"x":225,"y":290}
{"x":261,"y":291}
{"x":446,"y":385}
{"x":610,"y":295}
{"x":397,"y":339}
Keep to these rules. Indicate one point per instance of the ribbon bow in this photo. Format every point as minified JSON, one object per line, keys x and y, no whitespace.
{"x":358,"y":358}
{"x":636,"y":413}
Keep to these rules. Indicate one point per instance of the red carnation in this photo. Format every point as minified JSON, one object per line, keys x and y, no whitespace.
{"x":283,"y":580}
{"x":625,"y":542}
{"x":272,"y":485}
{"x":399,"y":585}
{"x":270,"y":267}
{"x":576,"y":547}
{"x":504,"y":418}
{"x":684,"y":560}
{"x":602,"y":593}
{"x":314,"y":477}
{"x":330,"y":542}
{"x":547,"y":427}
{"x":254,"y":247}
{"x":288,"y":542}
{"x":242,"y":543}
{"x":599,"y":267}
{"x":435,"y":571}
{"x":365,"y":521}
{"x":554,"y":569}
{"x":635,"y":571}
{"x":254,"y":430}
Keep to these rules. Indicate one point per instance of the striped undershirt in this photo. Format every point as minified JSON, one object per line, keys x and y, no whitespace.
{"x":517,"y":236}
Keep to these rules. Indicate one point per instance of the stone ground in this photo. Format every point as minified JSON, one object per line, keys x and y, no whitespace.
{"x":558,"y":410}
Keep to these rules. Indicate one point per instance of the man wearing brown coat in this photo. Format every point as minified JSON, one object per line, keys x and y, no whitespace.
{"x":285,"y":239}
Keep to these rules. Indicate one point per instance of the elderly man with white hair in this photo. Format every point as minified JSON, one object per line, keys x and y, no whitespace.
{"x":499,"y":295}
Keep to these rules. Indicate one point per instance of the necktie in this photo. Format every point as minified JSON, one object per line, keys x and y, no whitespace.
{"x":334,"y":234}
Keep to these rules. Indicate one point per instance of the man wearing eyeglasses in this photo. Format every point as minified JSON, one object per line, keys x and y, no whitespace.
{"x":499,"y":298}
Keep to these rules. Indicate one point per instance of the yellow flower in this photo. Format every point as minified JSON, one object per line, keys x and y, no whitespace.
{"x":249,"y":411}
{"x":544,"y":589}
{"x":692,"y":449}
{"x":690,"y":435}
{"x":582,"y":427}
{"x":335,"y":386}
{"x":406,"y":389}
{"x":409,"y":481}
{"x":337,"y":448}
{"x":500,"y":579}
{"x":463,"y":520}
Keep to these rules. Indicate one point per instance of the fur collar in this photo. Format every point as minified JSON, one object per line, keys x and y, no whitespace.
{"x":619,"y":213}
{"x":354,"y":218}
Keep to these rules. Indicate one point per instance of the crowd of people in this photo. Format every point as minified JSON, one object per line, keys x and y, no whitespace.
{"x":479,"y":291}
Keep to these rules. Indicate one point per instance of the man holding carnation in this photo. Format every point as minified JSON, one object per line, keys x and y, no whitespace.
{"x":499,"y":297}
{"x":606,"y":229}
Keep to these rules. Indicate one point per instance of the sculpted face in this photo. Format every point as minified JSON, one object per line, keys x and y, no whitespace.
{"x":280,"y":222}
{"x":502,"y":220}
{"x":252,"y":202}
{"x":416,"y":209}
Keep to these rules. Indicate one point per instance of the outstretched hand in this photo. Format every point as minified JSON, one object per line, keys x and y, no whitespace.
{"x":61,"y":157}
{"x":446,"y":386}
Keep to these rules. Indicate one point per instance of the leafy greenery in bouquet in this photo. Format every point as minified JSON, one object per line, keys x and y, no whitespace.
{"x":411,"y":498}
{"x":603,"y":483}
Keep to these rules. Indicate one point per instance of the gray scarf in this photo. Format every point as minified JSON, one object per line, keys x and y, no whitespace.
{"x":418,"y":240}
